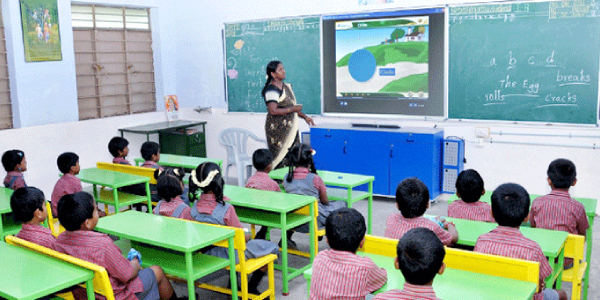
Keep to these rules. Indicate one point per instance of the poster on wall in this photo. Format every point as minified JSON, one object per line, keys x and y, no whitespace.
{"x":41,"y":37}
{"x":172,"y":108}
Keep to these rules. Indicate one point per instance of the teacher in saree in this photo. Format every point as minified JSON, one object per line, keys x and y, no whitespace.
{"x":281,"y":126}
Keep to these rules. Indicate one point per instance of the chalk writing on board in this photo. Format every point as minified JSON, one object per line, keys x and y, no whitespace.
{"x":237,"y":30}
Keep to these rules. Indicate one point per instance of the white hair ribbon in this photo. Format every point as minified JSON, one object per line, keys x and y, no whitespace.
{"x":206,"y":181}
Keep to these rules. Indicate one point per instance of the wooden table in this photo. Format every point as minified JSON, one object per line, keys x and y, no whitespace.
{"x":276,"y":210}
{"x":590,"y":209}
{"x":186,"y":162}
{"x":456,"y":284}
{"x":341,"y":187}
{"x":173,"y":244}
{"x":26,"y":274}
{"x":552,"y":242}
{"x":115,"y":180}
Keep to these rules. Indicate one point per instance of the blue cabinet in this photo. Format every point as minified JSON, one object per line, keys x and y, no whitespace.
{"x":390,"y":155}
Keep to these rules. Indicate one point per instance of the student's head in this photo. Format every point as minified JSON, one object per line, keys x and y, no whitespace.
{"x":412,"y":197}
{"x":207,"y":178}
{"x":271,"y":68}
{"x":345,"y":229}
{"x":262,"y":159}
{"x":14,"y":160}
{"x":469,"y":186}
{"x":169,"y":182}
{"x":420,"y":256}
{"x":77,"y":211}
{"x":150,"y":149}
{"x":301,"y":155}
{"x":68,"y":162}
{"x":510,"y":204}
{"x":27,"y":203}
{"x":118,"y":147}
{"x":562,"y":174}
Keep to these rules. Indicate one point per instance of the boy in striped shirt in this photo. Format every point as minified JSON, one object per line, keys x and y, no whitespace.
{"x":420,"y":257}
{"x":469,"y":188}
{"x":28,"y":206}
{"x":262,"y":160}
{"x":412,"y":199}
{"x":338,"y":273}
{"x":557,"y":210}
{"x":510,"y":207}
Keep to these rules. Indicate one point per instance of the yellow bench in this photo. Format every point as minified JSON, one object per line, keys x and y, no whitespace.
{"x":53,"y":223}
{"x":245,"y":267}
{"x":574,"y":248}
{"x":495,"y":265}
{"x":135,"y":170}
{"x":101,"y":280}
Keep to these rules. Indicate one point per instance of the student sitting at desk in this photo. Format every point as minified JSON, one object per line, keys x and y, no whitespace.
{"x":420,"y":257}
{"x":28,"y":206}
{"x":412,"y":199}
{"x":469,"y":188}
{"x":510,"y":207}
{"x":169,"y":187}
{"x":302,"y":179}
{"x":68,"y":183}
{"x":15,"y":164}
{"x":338,"y":273}
{"x":262,"y":160}
{"x":557,"y":210}
{"x":77,"y":213}
{"x":211,"y":207}
{"x":118,"y":148}
{"x":151,"y":154}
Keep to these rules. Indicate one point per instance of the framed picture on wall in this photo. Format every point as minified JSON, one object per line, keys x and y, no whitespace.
{"x":41,"y":35}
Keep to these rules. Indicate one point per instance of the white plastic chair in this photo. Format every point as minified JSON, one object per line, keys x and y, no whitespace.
{"x":235,"y":141}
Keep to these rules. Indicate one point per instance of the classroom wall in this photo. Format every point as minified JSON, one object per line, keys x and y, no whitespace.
{"x":189,"y":62}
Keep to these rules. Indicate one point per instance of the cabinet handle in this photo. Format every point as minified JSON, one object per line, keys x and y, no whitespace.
{"x":391,"y":152}
{"x":410,"y":141}
{"x":328,"y":135}
{"x":344,"y":150}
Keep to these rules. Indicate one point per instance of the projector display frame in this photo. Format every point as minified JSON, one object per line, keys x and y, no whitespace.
{"x":384,"y":63}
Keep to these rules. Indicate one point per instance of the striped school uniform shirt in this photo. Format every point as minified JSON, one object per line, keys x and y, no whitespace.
{"x":510,"y":242}
{"x":262,"y":181}
{"x":410,"y":292}
{"x":98,"y":248}
{"x":121,"y":161}
{"x":396,"y":226}
{"x":37,"y":234}
{"x":207,"y":203}
{"x":67,"y":184}
{"x":168,"y":207}
{"x":558,"y":211}
{"x":476,"y":211}
{"x":344,"y":275}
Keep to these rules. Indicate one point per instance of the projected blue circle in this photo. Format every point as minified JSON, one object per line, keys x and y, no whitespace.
{"x":362,"y":65}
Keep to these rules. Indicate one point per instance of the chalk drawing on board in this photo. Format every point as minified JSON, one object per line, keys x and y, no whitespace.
{"x":249,"y":46}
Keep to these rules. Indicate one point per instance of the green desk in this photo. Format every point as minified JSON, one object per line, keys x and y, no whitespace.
{"x":115,"y":180}
{"x":274,"y":209}
{"x":26,"y":274}
{"x":7,"y":223}
{"x":186,"y":162}
{"x":590,"y":210}
{"x":341,"y":187}
{"x":455,"y":284}
{"x":552,"y":242}
{"x":173,"y":244}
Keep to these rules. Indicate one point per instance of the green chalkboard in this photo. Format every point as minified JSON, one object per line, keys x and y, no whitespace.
{"x":249,"y":46}
{"x":525,"y":61}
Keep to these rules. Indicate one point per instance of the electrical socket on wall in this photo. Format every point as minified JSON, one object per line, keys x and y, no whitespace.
{"x":482,"y":132}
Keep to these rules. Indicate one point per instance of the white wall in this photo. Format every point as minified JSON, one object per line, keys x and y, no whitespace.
{"x":189,"y":62}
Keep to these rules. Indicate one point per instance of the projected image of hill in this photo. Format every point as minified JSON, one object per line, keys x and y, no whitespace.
{"x":383,"y":58}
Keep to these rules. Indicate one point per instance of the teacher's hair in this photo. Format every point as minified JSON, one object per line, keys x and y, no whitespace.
{"x":271,"y":67}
